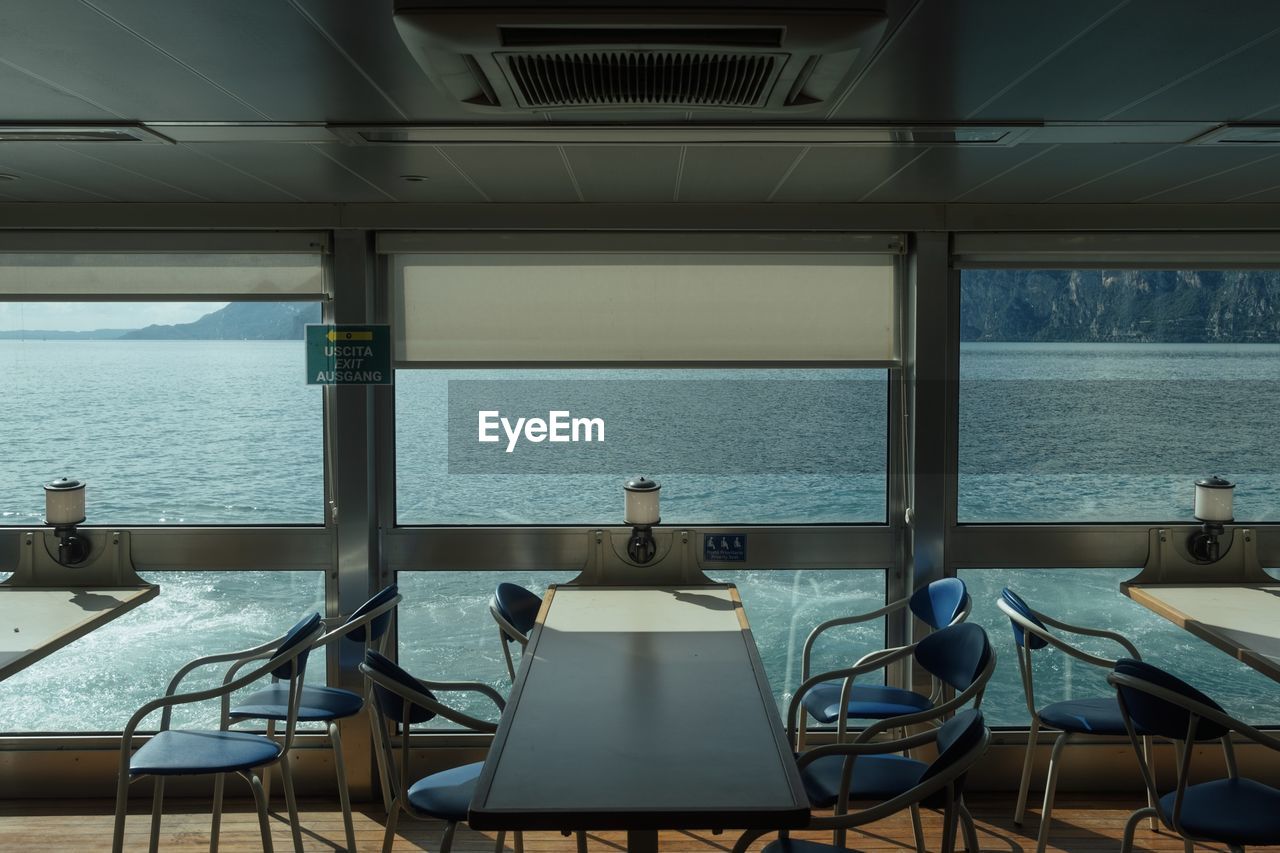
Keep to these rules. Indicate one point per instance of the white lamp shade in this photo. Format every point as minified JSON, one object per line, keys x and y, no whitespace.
{"x":1214,"y":500}
{"x":642,"y":502}
{"x":64,"y":502}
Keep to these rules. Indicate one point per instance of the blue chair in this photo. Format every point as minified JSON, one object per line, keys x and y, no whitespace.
{"x":1235,"y":811}
{"x":938,"y":604}
{"x":958,"y":656}
{"x":961,"y":741}
{"x":402,"y":701}
{"x":1093,"y":716}
{"x":515,"y":609}
{"x":187,"y":752}
{"x":368,"y":625}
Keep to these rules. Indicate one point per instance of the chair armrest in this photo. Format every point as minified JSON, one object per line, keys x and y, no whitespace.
{"x":1052,"y":639}
{"x":880,"y":747}
{"x":807,"y":652}
{"x":220,"y":658}
{"x":422,"y":700}
{"x":170,"y":700}
{"x":341,"y":627}
{"x":469,"y":687}
{"x":973,"y":691}
{"x":1212,"y":715}
{"x":1119,"y":639}
{"x":848,"y":673}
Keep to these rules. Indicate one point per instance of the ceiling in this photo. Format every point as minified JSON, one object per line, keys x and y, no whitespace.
{"x":1110,"y":89}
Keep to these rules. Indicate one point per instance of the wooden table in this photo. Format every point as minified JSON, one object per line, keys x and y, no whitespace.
{"x":640,"y":709}
{"x":1241,"y":619}
{"x":36,"y":622}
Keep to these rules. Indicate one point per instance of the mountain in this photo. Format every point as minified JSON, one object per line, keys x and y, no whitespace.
{"x":1121,"y":306}
{"x":256,"y":321}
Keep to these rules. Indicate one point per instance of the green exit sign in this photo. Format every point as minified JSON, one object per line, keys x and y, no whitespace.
{"x":349,"y":355}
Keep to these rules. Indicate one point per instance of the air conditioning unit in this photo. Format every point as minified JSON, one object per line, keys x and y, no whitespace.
{"x":520,"y":56}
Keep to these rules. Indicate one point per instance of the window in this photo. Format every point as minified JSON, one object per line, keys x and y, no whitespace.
{"x":1101,"y":394}
{"x":171,"y":412}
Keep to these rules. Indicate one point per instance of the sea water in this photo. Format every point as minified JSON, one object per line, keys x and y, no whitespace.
{"x":222,"y":432}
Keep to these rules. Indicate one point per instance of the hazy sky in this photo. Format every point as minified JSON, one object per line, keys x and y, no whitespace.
{"x":84,"y":316}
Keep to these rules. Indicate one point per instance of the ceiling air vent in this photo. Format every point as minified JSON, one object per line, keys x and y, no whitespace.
{"x":511,"y":57}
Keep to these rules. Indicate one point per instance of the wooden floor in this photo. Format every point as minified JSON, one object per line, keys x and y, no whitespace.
{"x":81,"y":826}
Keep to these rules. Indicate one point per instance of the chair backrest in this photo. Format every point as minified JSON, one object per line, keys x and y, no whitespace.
{"x":376,"y":629}
{"x":956,"y":655}
{"x":517,"y":605}
{"x":1159,"y":715}
{"x":390,"y":703}
{"x":957,"y":740}
{"x":939,"y":602}
{"x":1020,"y":637}
{"x":296,"y":634}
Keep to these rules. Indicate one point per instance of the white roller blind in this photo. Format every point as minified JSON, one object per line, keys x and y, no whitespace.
{"x":474,"y":308}
{"x":95,"y":275}
{"x":1111,"y":250}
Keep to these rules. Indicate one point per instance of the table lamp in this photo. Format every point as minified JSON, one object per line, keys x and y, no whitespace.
{"x":641,"y":513}
{"x":63,"y":510}
{"x":1213,"y":508}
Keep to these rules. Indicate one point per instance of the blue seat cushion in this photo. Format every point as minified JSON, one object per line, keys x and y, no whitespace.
{"x":317,"y":704}
{"x":1099,"y":716}
{"x":866,"y":702}
{"x":188,"y":752}
{"x":875,"y":777}
{"x":447,"y":794}
{"x":1233,"y":811}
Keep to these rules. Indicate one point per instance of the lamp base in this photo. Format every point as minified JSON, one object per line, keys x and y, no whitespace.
{"x":640,"y":547}
{"x":1172,"y":558}
{"x":1203,"y":545}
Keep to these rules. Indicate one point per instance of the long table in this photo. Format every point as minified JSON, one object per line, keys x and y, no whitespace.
{"x":640,"y":709}
{"x":1241,"y":619}
{"x":36,"y":622}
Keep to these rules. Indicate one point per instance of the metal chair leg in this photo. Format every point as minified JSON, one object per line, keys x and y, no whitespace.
{"x":260,"y":800}
{"x":949,"y":829}
{"x":917,"y":829}
{"x":582,"y":841}
{"x":383,"y":784}
{"x":266,"y":771}
{"x":1050,"y":786}
{"x":344,"y":797}
{"x":1188,"y":846}
{"x":498,"y":839}
{"x":219,"y":783}
{"x":122,"y":808}
{"x":970,"y":828}
{"x":506,"y":653}
{"x":1148,"y":755}
{"x":393,"y":816}
{"x":446,"y":842}
{"x":295,"y":825}
{"x":518,"y":845}
{"x":157,"y":806}
{"x":1028,"y":760}
{"x":1126,"y":840}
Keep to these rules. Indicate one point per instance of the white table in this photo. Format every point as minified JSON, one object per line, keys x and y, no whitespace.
{"x":1241,"y":619}
{"x":36,"y":622}
{"x":640,"y":709}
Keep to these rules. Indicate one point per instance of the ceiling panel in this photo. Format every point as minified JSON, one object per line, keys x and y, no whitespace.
{"x":25,"y":98}
{"x":1056,"y":169}
{"x":90,"y":174}
{"x":846,"y":174}
{"x":386,"y":166}
{"x":306,"y":172}
{"x":942,"y":174}
{"x":733,"y":174}
{"x":181,"y":166}
{"x":1234,"y":89}
{"x":35,"y":186}
{"x":951,"y":56}
{"x":265,"y":53}
{"x":1175,"y":167}
{"x":625,"y":173}
{"x":79,"y":50}
{"x":1263,"y":171}
{"x":1141,"y":48}
{"x":515,"y":173}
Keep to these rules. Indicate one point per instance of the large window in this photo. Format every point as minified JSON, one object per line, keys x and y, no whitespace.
{"x":1092,"y":395}
{"x":172,"y":413}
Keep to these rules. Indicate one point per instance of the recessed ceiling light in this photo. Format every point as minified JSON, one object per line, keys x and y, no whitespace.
{"x":415,"y":178}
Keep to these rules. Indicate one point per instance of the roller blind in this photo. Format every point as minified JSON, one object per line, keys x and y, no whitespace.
{"x":1112,"y":250}
{"x":645,"y":307}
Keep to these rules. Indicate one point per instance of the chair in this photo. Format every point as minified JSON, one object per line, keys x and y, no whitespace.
{"x":1235,"y":811}
{"x":187,"y":752}
{"x":1093,"y":716}
{"x":961,"y":742}
{"x":958,"y":656}
{"x":515,"y":609}
{"x":403,"y":700}
{"x":938,"y":604}
{"x":367,"y":624}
